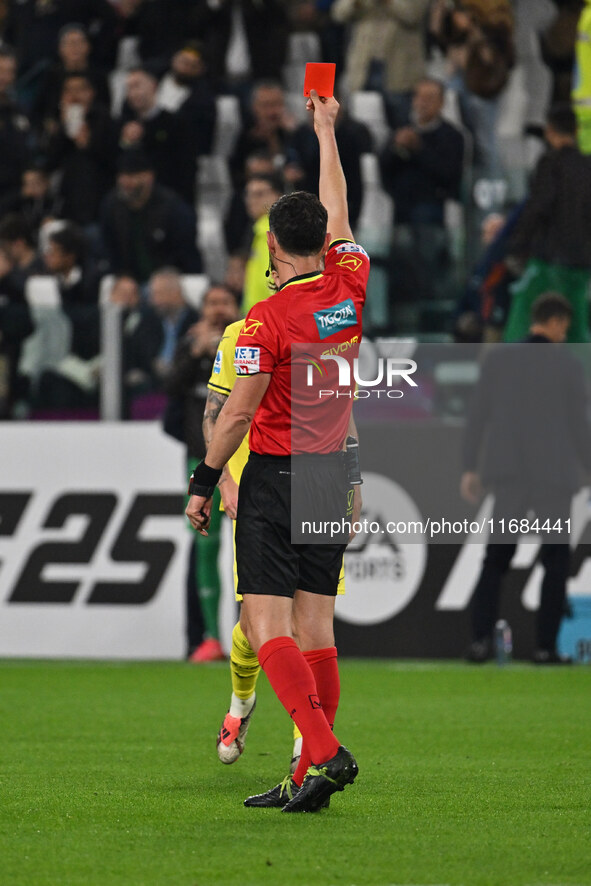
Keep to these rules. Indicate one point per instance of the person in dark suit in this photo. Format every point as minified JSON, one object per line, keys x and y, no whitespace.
{"x":421,"y":164}
{"x":144,"y":226}
{"x":73,"y":51}
{"x":421,"y":167}
{"x":169,"y":139}
{"x":72,"y":384}
{"x":530,"y":403}
{"x":14,"y":125}
{"x":266,"y":28}
{"x":82,"y":149}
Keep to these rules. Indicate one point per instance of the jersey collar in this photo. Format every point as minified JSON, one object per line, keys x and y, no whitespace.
{"x":311,"y":275}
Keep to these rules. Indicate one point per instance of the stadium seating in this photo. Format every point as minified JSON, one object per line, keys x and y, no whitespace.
{"x":215,"y":187}
{"x":194,"y":288}
{"x":302,"y":47}
{"x":368,"y":108}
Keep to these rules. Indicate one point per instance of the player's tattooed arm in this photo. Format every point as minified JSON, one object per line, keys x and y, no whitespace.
{"x":228,"y":488}
{"x":213,"y":407}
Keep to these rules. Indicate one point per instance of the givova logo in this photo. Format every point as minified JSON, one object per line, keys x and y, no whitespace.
{"x":335,"y":318}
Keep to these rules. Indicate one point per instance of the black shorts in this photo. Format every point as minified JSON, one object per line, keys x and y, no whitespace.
{"x":268,"y":560}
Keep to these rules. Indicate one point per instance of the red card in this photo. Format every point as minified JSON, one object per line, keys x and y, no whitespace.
{"x":320,"y":76}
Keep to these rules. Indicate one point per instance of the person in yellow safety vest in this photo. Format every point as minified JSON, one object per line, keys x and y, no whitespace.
{"x":260,"y":193}
{"x":581,"y":91}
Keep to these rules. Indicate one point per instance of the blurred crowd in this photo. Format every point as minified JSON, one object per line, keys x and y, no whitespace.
{"x":143,"y":141}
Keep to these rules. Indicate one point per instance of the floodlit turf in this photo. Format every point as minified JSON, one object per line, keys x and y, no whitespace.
{"x":468,"y":775}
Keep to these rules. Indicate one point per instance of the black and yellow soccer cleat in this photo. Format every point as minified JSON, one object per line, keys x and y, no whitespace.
{"x":277,"y":797}
{"x":322,"y":781}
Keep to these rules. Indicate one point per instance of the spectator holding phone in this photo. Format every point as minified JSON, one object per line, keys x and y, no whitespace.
{"x":83,"y":150}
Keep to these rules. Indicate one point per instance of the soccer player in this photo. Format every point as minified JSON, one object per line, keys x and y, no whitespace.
{"x":321,"y":277}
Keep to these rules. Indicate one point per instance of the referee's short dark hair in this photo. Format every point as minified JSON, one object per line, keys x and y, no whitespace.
{"x":550,"y":305}
{"x":299,"y":221}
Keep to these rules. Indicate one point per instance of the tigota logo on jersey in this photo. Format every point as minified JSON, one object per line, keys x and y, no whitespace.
{"x":335,"y":318}
{"x":251,"y":327}
{"x":247,"y":361}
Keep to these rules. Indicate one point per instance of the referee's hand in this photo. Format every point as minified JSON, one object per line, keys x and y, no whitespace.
{"x":199,"y":513}
{"x":324,"y":110}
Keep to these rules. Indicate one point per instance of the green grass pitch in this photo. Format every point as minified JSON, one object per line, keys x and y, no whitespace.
{"x":468,"y":777}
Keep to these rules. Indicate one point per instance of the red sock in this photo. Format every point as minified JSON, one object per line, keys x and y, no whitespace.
{"x":323,"y":663}
{"x":292,"y":679}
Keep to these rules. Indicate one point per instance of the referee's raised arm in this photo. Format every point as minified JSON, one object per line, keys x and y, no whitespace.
{"x":332,"y":188}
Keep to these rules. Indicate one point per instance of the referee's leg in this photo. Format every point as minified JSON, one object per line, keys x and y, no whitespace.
{"x":313,"y":616}
{"x":266,"y":621}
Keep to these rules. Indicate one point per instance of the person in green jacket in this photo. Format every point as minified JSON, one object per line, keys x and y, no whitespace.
{"x":552,"y":239}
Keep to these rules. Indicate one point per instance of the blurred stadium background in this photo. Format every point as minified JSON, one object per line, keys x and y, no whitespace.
{"x":179,"y":106}
{"x":133,"y":134}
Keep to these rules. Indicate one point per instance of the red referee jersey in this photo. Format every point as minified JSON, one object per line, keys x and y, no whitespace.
{"x":306,"y":407}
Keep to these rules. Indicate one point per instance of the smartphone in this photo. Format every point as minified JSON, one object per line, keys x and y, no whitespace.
{"x":74,"y":119}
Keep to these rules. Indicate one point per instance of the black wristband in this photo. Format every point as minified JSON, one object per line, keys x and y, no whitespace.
{"x":353,"y":467}
{"x":204,"y":480}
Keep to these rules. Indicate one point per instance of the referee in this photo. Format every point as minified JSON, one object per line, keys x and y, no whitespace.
{"x":321,"y":278}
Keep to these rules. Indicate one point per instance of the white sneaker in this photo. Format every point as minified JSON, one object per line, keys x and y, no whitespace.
{"x":232,"y":736}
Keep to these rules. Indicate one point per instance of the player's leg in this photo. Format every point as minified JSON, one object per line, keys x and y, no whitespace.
{"x":244,"y":671}
{"x":209,"y":585}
